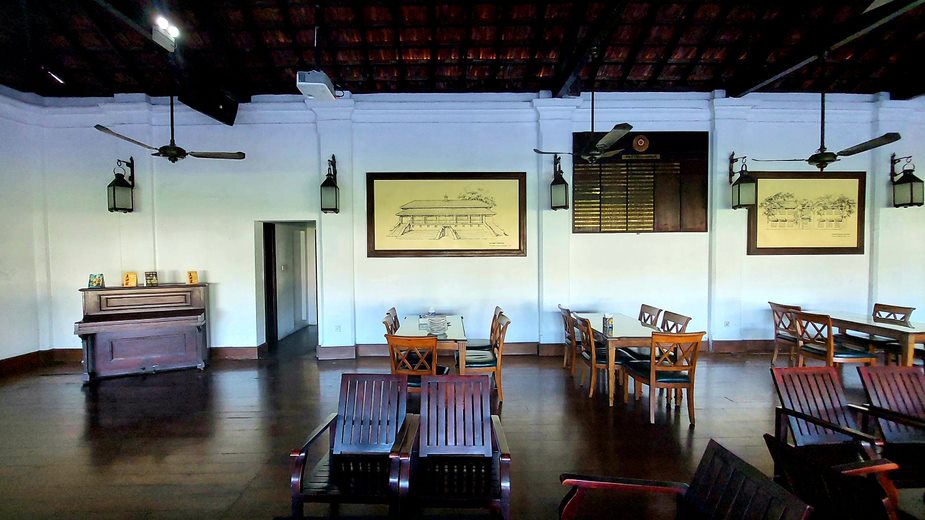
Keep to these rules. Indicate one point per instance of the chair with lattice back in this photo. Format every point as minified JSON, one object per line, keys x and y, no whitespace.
{"x":672,"y":364}
{"x":817,"y":341}
{"x":649,"y":314}
{"x":785,"y":330}
{"x":572,"y":340}
{"x":674,"y":323}
{"x":883,"y":313}
{"x":414,"y":357}
{"x":486,"y":343}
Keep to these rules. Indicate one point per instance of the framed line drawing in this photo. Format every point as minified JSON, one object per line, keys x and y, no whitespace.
{"x":446,"y":214}
{"x":808,"y":213}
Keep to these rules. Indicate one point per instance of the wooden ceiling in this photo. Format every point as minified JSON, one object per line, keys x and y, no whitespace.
{"x":251,"y":47}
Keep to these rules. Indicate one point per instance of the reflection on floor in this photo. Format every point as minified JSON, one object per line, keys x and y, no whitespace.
{"x":215,"y":444}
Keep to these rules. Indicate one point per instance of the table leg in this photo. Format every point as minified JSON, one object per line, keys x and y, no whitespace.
{"x":611,"y":369}
{"x":461,"y":347}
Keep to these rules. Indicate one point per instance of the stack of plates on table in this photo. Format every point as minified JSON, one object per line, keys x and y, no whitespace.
{"x":437,"y":323}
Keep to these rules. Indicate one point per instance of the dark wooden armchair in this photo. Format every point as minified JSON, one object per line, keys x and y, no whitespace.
{"x":857,"y":490}
{"x":724,"y":486}
{"x":461,"y":458}
{"x":814,"y":413}
{"x":365,"y":459}
{"x":896,"y":397}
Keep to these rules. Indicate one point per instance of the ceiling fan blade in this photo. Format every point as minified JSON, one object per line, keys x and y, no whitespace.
{"x":613,"y":136}
{"x":105,"y":130}
{"x":610,"y":153}
{"x":217,"y":155}
{"x":777,"y":160}
{"x":537,"y":150}
{"x":887,"y":138}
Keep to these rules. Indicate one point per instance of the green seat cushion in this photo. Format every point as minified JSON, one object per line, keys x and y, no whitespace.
{"x":859,"y":338}
{"x":480,"y":359}
{"x":478,"y":344}
{"x":642,"y":368}
{"x":841,"y":351}
{"x":600,"y":354}
{"x":625,"y":354}
{"x":783,"y":336}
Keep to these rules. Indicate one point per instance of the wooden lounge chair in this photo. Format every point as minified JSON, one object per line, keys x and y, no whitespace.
{"x":724,"y":486}
{"x":896,"y":397}
{"x":858,"y":490}
{"x":461,"y":457}
{"x":365,"y":460}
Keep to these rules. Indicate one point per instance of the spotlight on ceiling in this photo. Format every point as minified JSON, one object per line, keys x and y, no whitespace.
{"x":165,"y":33}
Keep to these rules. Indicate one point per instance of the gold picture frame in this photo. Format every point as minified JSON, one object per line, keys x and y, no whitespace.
{"x":446,"y":214}
{"x":803,"y":213}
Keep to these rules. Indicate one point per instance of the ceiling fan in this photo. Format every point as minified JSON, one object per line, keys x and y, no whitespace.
{"x":824,"y":157}
{"x":171,"y":151}
{"x":594,"y":152}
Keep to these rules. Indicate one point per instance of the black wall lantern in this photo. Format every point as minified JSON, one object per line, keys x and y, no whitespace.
{"x":908,"y":190}
{"x":744,"y":188}
{"x":121,"y":192}
{"x":558,"y":189}
{"x":330,"y":194}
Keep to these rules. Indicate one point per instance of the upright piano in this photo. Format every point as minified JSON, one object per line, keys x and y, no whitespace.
{"x":137,"y":330}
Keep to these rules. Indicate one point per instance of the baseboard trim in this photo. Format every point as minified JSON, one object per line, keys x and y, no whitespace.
{"x":550,"y":349}
{"x":329,"y":353}
{"x":41,"y":358}
{"x":743,"y":345}
{"x":236,"y":353}
{"x":372,"y":351}
{"x":520,"y":349}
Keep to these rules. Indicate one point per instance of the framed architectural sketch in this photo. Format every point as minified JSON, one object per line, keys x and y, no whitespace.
{"x":446,"y":214}
{"x":801,"y":213}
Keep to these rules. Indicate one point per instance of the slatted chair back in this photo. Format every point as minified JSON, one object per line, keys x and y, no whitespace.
{"x":568,"y":324}
{"x":649,"y":314}
{"x":370,"y":413}
{"x":497,"y":343}
{"x":783,"y":318}
{"x":413,"y":355}
{"x":455,"y":416}
{"x":898,"y":389}
{"x":815,"y":391}
{"x":725,"y":486}
{"x":895,"y":314}
{"x":674,"y":323}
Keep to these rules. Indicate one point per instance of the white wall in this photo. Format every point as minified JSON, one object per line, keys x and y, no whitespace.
{"x":200,"y":214}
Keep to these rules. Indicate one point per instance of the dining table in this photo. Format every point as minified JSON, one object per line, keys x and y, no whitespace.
{"x":451,"y":339}
{"x":907,"y":333}
{"x":627,"y":331}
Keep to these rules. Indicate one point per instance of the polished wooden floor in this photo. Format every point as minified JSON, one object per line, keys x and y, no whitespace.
{"x":215,"y":444}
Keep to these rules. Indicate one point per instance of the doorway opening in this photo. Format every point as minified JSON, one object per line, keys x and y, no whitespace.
{"x":287,"y":288}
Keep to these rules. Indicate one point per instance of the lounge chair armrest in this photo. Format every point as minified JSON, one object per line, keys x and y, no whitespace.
{"x":894,"y":416}
{"x":313,"y":436}
{"x":621,"y":483}
{"x":300,"y":456}
{"x":498,"y":439}
{"x":851,"y":432}
{"x":400,"y":455}
{"x":866,"y":467}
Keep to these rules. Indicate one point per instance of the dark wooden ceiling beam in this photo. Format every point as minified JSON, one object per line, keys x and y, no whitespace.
{"x":579,"y":58}
{"x":128,"y":62}
{"x":824,"y":41}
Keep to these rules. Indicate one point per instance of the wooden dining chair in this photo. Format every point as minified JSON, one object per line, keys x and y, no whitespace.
{"x":572,"y":340}
{"x":893,"y":314}
{"x":817,"y":341}
{"x":594,"y":354}
{"x":649,"y":314}
{"x":489,"y":361}
{"x":672,"y":364}
{"x":486,"y":343}
{"x":674,"y":323}
{"x":414,"y":357}
{"x":785,"y":330}
{"x":391,"y":321}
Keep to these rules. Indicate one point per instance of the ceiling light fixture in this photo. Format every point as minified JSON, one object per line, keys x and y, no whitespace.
{"x":165,"y":33}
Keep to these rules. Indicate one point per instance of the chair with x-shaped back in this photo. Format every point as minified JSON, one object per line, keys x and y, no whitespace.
{"x":414,"y":356}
